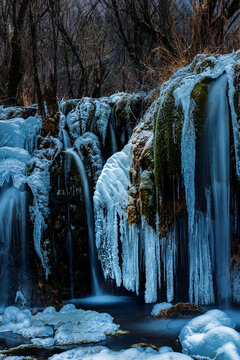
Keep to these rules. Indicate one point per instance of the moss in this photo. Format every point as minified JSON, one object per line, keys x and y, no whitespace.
{"x":167,"y":139}
{"x":30,"y":168}
{"x":199,"y":95}
{"x":181,"y":310}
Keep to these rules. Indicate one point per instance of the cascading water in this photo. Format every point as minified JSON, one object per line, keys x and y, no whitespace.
{"x":71,"y":154}
{"x":218,"y":152}
{"x":67,"y":166}
{"x":90,"y":222}
{"x":14,"y":258}
{"x":113,"y":133}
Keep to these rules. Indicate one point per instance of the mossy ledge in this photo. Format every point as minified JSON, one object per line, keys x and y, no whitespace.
{"x":167,"y":139}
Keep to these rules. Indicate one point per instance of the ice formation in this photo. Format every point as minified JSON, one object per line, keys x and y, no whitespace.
{"x":87,"y":109}
{"x":159,"y":307}
{"x":68,"y":326}
{"x":140,"y":241}
{"x":18,"y":154}
{"x":111,"y":226}
{"x":222,"y":64}
{"x":103,"y":353}
{"x":211,"y":336}
{"x":20,"y":133}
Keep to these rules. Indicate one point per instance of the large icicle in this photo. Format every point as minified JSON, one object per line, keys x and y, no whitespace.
{"x":110,"y":203}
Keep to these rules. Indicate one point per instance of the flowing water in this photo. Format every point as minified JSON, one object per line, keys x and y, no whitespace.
{"x":71,"y":154}
{"x":13,"y":251}
{"x":67,"y":166}
{"x":90,"y":220}
{"x":218,"y":144}
{"x":113,"y":133}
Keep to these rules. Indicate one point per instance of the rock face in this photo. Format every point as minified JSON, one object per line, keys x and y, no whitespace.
{"x":67,"y":214}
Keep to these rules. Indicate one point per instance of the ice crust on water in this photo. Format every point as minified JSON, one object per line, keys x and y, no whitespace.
{"x":21,"y":322}
{"x":103,"y":353}
{"x":211,"y":336}
{"x":68,"y":326}
{"x":43,"y":341}
{"x":159,"y":307}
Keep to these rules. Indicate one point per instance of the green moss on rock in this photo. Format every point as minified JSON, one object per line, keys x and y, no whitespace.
{"x":167,"y":139}
{"x":199,"y":95}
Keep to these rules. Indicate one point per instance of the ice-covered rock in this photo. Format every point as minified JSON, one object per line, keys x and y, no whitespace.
{"x":20,"y":322}
{"x":210,"y":334}
{"x":159,"y":307}
{"x":89,"y":114}
{"x":21,"y":133}
{"x":11,"y":112}
{"x":69,"y":325}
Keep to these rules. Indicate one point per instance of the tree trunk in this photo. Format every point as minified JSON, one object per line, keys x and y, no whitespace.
{"x":15,"y":69}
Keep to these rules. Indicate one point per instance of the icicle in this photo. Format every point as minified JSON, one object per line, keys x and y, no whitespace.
{"x":200,"y":260}
{"x":168,"y":251}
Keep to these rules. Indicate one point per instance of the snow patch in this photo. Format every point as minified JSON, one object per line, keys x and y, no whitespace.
{"x":210,"y":335}
{"x":159,"y":307}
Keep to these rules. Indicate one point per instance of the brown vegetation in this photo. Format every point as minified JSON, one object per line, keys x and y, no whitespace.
{"x":181,"y":310}
{"x":96,"y":47}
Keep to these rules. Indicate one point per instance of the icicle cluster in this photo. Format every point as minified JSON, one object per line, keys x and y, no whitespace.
{"x":123,"y":262}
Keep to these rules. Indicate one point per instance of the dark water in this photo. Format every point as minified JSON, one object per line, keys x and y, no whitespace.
{"x":134,"y":316}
